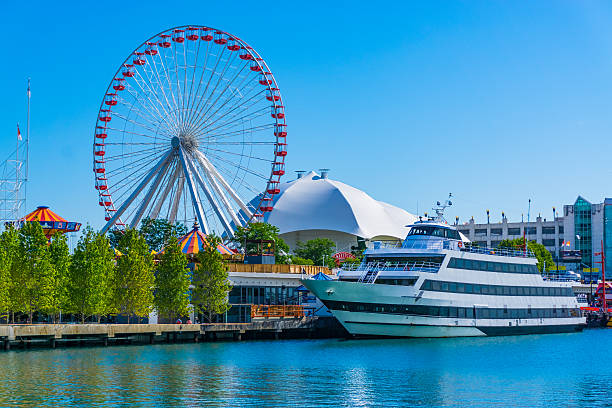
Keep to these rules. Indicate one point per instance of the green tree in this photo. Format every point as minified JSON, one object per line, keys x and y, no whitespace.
{"x":90,"y":276}
{"x":157,"y":232}
{"x":8,"y":249}
{"x":319,"y":250}
{"x":33,"y":275}
{"x":542,"y":254}
{"x":296,"y":260}
{"x":135,"y":277}
{"x":261,"y":231}
{"x":57,"y":282}
{"x":172,"y":282}
{"x":210,"y":281}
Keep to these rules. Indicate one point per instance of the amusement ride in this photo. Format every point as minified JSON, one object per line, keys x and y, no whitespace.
{"x":191,"y":127}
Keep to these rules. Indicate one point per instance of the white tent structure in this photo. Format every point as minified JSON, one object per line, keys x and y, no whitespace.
{"x":314,"y":206}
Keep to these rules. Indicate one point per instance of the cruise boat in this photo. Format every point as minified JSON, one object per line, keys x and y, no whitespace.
{"x":437,"y":284}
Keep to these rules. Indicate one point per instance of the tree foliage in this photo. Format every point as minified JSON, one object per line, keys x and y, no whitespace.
{"x":91,"y":274}
{"x":56,"y":297}
{"x":172,"y":282}
{"x":542,"y":254}
{"x":33,"y":275}
{"x":319,"y":250}
{"x":135,"y":278}
{"x":296,"y":260}
{"x":261,"y":231}
{"x":210,"y":281}
{"x":157,"y":232}
{"x":8,"y":249}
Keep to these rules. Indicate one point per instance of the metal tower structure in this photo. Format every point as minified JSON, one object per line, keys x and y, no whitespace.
{"x":14,"y":175}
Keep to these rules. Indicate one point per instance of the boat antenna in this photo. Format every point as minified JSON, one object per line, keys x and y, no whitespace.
{"x":440,"y":207}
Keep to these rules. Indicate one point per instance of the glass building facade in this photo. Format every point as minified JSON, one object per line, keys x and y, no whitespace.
{"x":607,"y":235}
{"x":583,"y":229}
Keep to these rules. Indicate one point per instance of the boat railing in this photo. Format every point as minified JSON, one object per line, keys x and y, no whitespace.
{"x":499,"y":251}
{"x":416,"y":266}
{"x":440,"y":244}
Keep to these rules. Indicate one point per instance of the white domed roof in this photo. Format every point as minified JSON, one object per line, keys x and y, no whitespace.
{"x":315,"y":203}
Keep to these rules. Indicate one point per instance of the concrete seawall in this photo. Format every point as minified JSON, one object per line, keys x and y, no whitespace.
{"x":53,"y":335}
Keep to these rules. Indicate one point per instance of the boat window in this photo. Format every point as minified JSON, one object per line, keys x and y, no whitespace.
{"x":433,"y":231}
{"x":503,"y":267}
{"x":497,"y":290}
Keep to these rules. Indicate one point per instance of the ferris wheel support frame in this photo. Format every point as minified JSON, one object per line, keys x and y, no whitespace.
{"x":215,"y":185}
{"x":225,"y":184}
{"x":209,"y":197}
{"x":193,"y":191}
{"x":164,"y":195}
{"x":152,"y":189}
{"x":135,"y":193}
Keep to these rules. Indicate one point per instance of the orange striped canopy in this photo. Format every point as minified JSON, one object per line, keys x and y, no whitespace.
{"x":51,"y":222}
{"x":195,"y":241}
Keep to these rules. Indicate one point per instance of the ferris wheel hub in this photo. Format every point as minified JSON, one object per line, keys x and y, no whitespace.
{"x":175,"y":142}
{"x":188,"y":141}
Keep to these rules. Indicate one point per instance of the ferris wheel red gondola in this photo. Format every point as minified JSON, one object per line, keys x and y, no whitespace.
{"x":191,"y":126}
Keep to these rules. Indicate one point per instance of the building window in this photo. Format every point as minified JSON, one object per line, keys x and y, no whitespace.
{"x":548,"y":230}
{"x":531,"y":230}
{"x":496,"y":231}
{"x":561,"y":229}
{"x":495,"y":244}
{"x":465,"y":232}
{"x":582,"y":225}
{"x":480,"y":231}
{"x":514,"y":231}
{"x":548,"y":242}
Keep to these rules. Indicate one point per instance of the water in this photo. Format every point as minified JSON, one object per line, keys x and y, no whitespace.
{"x":570,"y":370}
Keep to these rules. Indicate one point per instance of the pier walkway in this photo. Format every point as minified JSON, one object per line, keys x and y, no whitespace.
{"x":52,"y":335}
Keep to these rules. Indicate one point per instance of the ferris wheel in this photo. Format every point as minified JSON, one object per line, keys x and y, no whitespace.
{"x":191,"y":127}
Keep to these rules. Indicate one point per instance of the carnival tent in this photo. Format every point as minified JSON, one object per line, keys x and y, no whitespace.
{"x":195,"y":241}
{"x":50,"y":221}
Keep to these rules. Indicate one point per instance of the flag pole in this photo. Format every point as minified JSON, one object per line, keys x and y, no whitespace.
{"x":25,"y":188}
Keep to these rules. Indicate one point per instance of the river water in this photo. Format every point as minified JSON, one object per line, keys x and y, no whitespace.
{"x":570,"y":370}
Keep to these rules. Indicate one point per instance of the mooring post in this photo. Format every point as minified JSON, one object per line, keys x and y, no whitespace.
{"x":52,"y":342}
{"x":151,"y":338}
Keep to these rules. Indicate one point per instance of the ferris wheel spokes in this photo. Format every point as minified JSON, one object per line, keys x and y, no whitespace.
{"x":136,"y":192}
{"x":191,"y":105}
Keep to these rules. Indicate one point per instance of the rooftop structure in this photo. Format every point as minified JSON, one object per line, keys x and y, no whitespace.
{"x":581,"y":227}
{"x":315,"y":206}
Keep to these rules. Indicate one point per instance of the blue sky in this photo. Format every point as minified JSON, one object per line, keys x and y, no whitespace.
{"x":495,"y":101}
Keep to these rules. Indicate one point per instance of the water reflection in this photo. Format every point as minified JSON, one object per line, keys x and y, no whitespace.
{"x":544,"y":371}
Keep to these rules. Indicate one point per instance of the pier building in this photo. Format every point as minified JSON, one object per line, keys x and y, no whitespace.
{"x":316,"y":206}
{"x":582,"y":226}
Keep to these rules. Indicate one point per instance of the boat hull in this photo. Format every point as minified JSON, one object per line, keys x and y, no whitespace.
{"x":334,"y":294}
